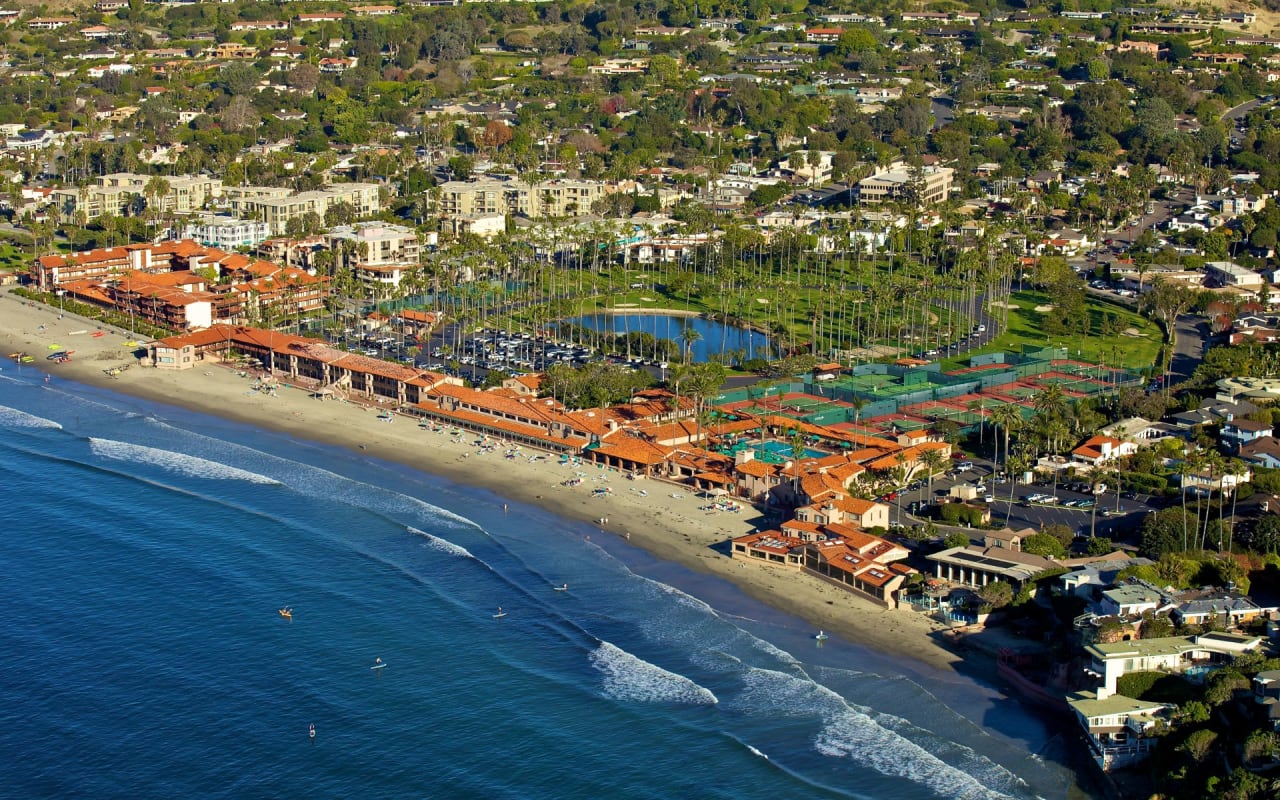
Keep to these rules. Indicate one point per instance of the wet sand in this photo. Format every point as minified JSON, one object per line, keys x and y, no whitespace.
{"x":665,"y":519}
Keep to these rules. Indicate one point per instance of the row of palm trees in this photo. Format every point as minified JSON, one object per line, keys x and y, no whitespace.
{"x":826,"y":300}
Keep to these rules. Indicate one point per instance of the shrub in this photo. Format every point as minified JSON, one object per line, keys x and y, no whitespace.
{"x":959,"y":513}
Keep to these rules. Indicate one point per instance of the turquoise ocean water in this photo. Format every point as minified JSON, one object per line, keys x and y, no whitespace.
{"x":146,"y":550}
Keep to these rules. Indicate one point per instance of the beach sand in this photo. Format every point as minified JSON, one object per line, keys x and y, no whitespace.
{"x":662,"y":518}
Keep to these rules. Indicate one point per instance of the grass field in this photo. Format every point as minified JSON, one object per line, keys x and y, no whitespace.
{"x":1026,"y":327}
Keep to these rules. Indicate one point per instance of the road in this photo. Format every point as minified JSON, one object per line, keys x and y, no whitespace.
{"x":1242,"y":109}
{"x":943,"y":110}
{"x":1188,"y":351}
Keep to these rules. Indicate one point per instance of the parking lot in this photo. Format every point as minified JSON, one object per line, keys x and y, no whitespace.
{"x":477,"y":354}
{"x":1116,"y":517}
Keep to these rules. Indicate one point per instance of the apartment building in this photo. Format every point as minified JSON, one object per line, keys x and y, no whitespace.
{"x":923,"y":186}
{"x":226,"y":232}
{"x":563,"y":197}
{"x":111,"y":194}
{"x":276,"y":206}
{"x":378,"y":252}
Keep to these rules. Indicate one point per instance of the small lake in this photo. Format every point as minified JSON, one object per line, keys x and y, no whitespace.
{"x":716,"y":337}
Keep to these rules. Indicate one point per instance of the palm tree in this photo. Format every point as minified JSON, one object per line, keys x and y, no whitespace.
{"x":1051,"y":402}
{"x":931,"y":459}
{"x":797,"y":450}
{"x":1007,"y":417}
{"x":689,"y":336}
{"x":1215,"y":462}
{"x":1014,"y":464}
{"x":1187,"y":465}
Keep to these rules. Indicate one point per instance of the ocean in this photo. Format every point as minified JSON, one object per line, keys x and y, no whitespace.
{"x":147,"y":550}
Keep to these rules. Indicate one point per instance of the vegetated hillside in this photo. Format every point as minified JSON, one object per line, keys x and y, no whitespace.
{"x":52,"y":5}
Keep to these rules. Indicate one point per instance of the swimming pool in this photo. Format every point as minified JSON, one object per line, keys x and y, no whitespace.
{"x":783,"y":450}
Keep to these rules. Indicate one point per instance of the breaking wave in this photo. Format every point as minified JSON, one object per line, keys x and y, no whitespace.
{"x":632,"y":679}
{"x":180,"y":463}
{"x":13,"y":418}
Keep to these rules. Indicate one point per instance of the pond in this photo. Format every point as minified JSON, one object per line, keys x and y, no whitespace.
{"x":713,"y":337}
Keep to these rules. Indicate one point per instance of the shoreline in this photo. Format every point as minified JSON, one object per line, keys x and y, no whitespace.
{"x":663,"y":519}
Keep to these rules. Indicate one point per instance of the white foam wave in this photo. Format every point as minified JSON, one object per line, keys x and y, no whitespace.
{"x":180,"y":463}
{"x":855,"y":733}
{"x":318,"y":482}
{"x":13,"y":418}
{"x":682,"y":597}
{"x":632,"y":679}
{"x":441,"y":545}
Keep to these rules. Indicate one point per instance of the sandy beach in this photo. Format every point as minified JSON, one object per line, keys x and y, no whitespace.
{"x":662,"y":518}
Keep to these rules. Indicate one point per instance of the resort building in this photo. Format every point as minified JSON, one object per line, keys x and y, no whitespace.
{"x":153,"y":281}
{"x":305,"y":362}
{"x":857,"y":562}
{"x":843,"y":510}
{"x":840,"y":554}
{"x":1098,"y":450}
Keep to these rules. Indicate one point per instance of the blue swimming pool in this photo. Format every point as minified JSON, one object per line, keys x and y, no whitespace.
{"x":1199,"y":672}
{"x":783,"y":450}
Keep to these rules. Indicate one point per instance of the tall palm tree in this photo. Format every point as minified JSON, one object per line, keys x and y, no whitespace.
{"x":1007,"y":417}
{"x":931,"y":459}
{"x":797,"y":450}
{"x":1216,"y":463}
{"x":689,"y":336}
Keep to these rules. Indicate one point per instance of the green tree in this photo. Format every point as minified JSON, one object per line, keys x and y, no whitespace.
{"x":997,"y":594}
{"x":1041,"y":544}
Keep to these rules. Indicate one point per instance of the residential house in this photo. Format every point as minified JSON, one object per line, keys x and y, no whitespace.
{"x":976,"y":567}
{"x":1131,"y":600}
{"x":823,"y":35}
{"x":1204,"y":606}
{"x":1239,"y":432}
{"x":1266,"y":693}
{"x":1261,"y":452}
{"x":1117,"y":728}
{"x":1099,"y":450}
{"x":1231,"y":274}
{"x":1113,"y":660}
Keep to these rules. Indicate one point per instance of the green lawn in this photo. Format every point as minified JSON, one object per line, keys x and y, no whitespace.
{"x":1026,"y":326}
